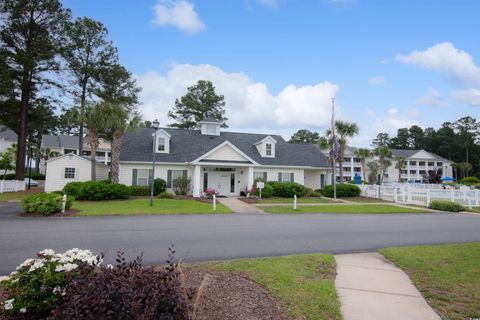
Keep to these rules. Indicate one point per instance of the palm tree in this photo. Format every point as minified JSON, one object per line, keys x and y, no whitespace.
{"x":326,"y":143}
{"x":119,"y":121}
{"x":401,"y":162}
{"x":363,"y":154}
{"x":374,"y":166}
{"x":345,"y":130}
{"x":383,"y":153}
{"x":95,"y":118}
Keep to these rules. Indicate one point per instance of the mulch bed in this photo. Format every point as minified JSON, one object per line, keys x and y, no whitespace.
{"x":249,"y":200}
{"x":228,"y":296}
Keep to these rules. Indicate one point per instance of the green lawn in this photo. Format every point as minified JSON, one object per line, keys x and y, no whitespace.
{"x":10,"y":196}
{"x":343,"y":208}
{"x":364,"y":199}
{"x":303,"y":285}
{"x":299,"y":200}
{"x":475,"y":209}
{"x":142,"y":206}
{"x":448,"y":276}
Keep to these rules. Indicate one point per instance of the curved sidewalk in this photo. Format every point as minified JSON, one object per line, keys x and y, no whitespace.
{"x":372,"y":288}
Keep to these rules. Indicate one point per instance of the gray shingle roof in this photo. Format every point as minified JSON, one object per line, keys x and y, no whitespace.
{"x":188,"y":145}
{"x":407,"y":153}
{"x":64,"y":141}
{"x":7,"y":133}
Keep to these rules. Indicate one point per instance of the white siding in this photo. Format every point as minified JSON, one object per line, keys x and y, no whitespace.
{"x":312,"y":178}
{"x":126,"y":170}
{"x":272,"y":173}
{"x":55,"y":173}
{"x":226,"y":153}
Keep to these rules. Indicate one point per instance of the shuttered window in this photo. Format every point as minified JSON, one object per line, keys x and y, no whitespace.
{"x":286,"y":177}
{"x":173,"y":174}
{"x":260,"y":175}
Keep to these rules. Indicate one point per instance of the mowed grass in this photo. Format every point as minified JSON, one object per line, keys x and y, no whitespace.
{"x":299,"y":200}
{"x":448,"y":276}
{"x":343,"y":208}
{"x":365,"y":200}
{"x":142,"y":207}
{"x":17,"y":196}
{"x":303,"y":285}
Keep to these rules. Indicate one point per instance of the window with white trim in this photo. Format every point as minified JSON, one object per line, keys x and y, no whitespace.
{"x":142,"y":177}
{"x":268,"y":149}
{"x":285,"y":177}
{"x":69,"y":173}
{"x":161,"y":144}
{"x":260,"y":175}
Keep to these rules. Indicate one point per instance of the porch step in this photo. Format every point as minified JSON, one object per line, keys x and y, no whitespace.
{"x":239,"y":206}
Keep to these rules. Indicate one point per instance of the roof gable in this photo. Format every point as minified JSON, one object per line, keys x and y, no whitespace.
{"x":225,"y":152}
{"x":422,"y":154}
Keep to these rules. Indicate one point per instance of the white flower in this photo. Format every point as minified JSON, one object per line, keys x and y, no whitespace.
{"x":66,"y":267}
{"x":13,"y":273}
{"x":15,"y":280}
{"x":4,"y":278}
{"x":26,"y":263}
{"x":8,"y":305}
{"x":47,"y":252}
{"x":36,"y":265}
{"x":23,"y":310}
{"x":109,"y":266}
{"x":59,"y":290}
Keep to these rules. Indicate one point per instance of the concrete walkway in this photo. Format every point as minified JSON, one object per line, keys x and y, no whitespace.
{"x":239,"y":206}
{"x":371,"y":288}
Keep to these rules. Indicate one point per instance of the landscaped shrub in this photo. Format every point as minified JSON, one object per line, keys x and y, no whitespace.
{"x":97,"y":190}
{"x":470,"y":181}
{"x":159,"y":186}
{"x":210,"y":192}
{"x":181,"y":185}
{"x":8,"y":176}
{"x":139,"y":190}
{"x":287,"y":189}
{"x":320,"y":191}
{"x":45,"y":203}
{"x":127,"y":291}
{"x":38,"y":285}
{"x":446,"y":205}
{"x":267,"y":191}
{"x":36,"y":176}
{"x":166,"y":195}
{"x":343,"y":190}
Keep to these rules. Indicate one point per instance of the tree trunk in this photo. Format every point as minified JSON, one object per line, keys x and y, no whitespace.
{"x":82,"y":105}
{"x":116,"y":148}
{"x":363,"y":170}
{"x":340,"y":165}
{"x":22,"y":130}
{"x":93,"y":141}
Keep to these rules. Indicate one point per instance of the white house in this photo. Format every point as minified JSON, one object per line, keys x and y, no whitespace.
{"x":65,"y":144}
{"x":71,"y":167}
{"x":228,"y":162}
{"x":7,"y":138}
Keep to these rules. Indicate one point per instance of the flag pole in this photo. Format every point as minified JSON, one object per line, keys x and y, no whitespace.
{"x":334,"y":156}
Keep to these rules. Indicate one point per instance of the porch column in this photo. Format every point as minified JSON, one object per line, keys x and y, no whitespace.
{"x":352,"y":170}
{"x":249,"y":177}
{"x":196,"y":192}
{"x":408,"y":169}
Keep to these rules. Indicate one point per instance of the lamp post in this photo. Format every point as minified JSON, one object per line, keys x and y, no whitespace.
{"x":155,"y":125}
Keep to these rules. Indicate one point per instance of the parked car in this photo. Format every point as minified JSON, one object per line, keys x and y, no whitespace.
{"x":33,"y":183}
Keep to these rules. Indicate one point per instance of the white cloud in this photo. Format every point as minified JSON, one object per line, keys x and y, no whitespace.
{"x":391,"y":122}
{"x":178,"y":13}
{"x":469,"y":96}
{"x":249,"y":104}
{"x":445,"y":58}
{"x":432,"y":98}
{"x":377,"y":81}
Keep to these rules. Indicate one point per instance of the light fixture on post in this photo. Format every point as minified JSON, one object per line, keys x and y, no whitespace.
{"x":155,"y":125}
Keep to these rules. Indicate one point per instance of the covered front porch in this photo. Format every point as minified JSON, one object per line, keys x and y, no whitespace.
{"x":229,"y":179}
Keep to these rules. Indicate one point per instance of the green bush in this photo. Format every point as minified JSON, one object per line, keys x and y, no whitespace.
{"x":45,"y":203}
{"x":320,"y":191}
{"x":159,"y":186}
{"x":181,"y":185}
{"x":8,"y":176}
{"x":343,"y":190}
{"x":166,"y":195}
{"x":36,"y":176}
{"x":267,"y":191}
{"x":97,"y":190}
{"x":139,"y":190}
{"x":446,"y":205}
{"x":470,"y":181}
{"x":315,"y":194}
{"x":286,"y":189}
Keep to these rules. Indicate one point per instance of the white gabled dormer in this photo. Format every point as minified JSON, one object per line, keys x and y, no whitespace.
{"x":210,"y":126}
{"x":162,"y":145}
{"x":266,"y":147}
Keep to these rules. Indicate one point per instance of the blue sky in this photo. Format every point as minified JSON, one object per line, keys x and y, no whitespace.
{"x":389,"y":64}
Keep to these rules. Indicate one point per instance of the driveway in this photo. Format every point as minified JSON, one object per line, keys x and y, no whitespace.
{"x":209,"y":237}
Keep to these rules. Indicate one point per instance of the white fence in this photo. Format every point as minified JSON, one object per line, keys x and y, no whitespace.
{"x":11,"y":186}
{"x":423,"y":196}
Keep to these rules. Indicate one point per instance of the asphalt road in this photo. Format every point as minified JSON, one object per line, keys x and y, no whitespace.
{"x":209,"y":237}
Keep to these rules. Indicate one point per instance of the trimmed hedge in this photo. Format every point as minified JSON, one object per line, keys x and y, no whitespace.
{"x":470,"y":181}
{"x":343,"y":190}
{"x":166,"y":195}
{"x":446,"y":205}
{"x":286,"y":189}
{"x":11,"y":176}
{"x":45,"y":203}
{"x":96,"y":190}
{"x":159,"y":186}
{"x":267,"y":191}
{"x":139,"y":190}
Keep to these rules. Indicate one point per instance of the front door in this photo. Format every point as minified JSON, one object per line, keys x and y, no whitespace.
{"x":222,"y":182}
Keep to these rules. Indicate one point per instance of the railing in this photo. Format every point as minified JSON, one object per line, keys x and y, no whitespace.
{"x":11,"y":186}
{"x":421,"y":195}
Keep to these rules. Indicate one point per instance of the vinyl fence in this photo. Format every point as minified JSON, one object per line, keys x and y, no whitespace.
{"x":423,"y":196}
{"x":11,"y":186}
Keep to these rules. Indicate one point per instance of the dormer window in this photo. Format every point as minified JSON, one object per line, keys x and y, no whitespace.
{"x":210,"y":126}
{"x":266,"y":147}
{"x":268,"y":150}
{"x":162,"y":145}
